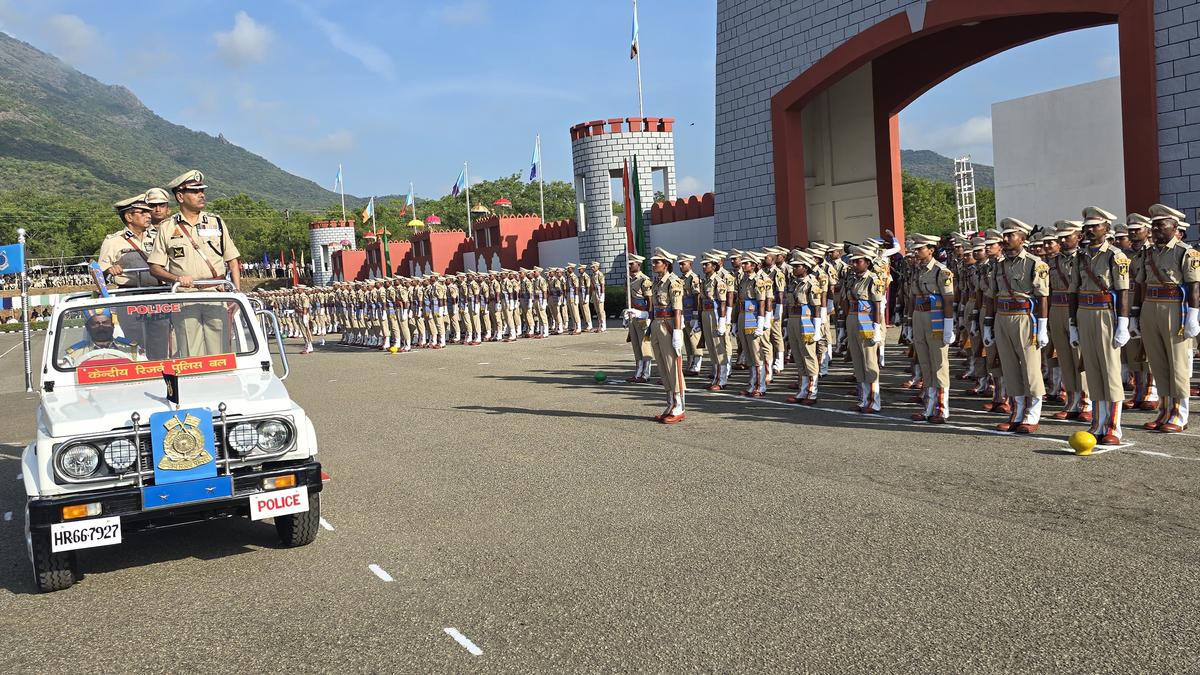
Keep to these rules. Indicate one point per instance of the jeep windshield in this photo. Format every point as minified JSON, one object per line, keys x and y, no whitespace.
{"x":136,"y":330}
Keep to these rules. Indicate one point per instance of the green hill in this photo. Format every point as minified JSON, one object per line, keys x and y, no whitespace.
{"x":928,"y":164}
{"x":63,"y":132}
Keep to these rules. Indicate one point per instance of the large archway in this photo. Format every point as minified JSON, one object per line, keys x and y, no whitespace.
{"x":885,"y":67}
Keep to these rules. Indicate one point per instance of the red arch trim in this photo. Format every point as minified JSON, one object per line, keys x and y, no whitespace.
{"x":996,"y":25}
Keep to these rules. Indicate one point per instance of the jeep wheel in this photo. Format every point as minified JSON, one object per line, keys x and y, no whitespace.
{"x":299,"y":529}
{"x":51,"y":571}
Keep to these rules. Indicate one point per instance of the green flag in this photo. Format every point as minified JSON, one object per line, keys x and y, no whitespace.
{"x":639,"y":227}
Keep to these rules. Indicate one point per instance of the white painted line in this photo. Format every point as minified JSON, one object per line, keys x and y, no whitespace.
{"x":325,"y":524}
{"x":10,"y":349}
{"x":485,"y":363}
{"x":8,"y":515}
{"x":378,"y":571}
{"x":333,"y":380}
{"x":463,"y":641}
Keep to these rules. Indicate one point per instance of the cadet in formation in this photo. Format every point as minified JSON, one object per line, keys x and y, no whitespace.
{"x":1072,"y":315}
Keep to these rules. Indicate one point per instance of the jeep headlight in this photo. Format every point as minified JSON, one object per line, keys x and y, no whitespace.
{"x":273,"y":436}
{"x":79,"y":461}
{"x":243,"y":438}
{"x":120,"y":454}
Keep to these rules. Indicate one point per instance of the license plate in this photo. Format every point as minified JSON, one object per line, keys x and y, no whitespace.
{"x":278,"y":503}
{"x":85,"y":534}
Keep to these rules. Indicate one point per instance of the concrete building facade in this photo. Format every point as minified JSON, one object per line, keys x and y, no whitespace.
{"x":1058,"y":150}
{"x":808,"y":93}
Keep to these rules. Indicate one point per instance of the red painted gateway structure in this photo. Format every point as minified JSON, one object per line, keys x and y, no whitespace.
{"x":776,"y":60}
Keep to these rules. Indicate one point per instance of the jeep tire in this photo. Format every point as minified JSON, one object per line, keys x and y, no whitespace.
{"x":51,"y":571}
{"x":299,"y":529}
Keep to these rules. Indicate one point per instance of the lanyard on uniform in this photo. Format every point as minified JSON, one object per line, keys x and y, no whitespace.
{"x":183,"y":228}
{"x":136,"y":247}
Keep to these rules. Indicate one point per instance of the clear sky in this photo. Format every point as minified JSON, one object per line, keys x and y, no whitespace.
{"x":405,"y":91}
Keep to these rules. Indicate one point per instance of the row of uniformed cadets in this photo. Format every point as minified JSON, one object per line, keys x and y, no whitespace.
{"x":809,"y":300}
{"x":399,"y":313}
{"x":1067,"y":311}
{"x":1023,"y":311}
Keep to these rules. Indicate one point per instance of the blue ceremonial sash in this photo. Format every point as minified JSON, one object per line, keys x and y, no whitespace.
{"x":937,"y":314}
{"x":808,"y":329}
{"x":689,"y":308}
{"x":864,"y":319}
{"x":749,"y":315}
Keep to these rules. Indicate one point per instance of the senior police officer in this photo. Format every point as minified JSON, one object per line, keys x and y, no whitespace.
{"x":191,"y":246}
{"x":129,"y":248}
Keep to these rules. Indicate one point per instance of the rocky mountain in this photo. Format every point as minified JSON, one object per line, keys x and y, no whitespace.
{"x":929,"y":164}
{"x":66,"y":133}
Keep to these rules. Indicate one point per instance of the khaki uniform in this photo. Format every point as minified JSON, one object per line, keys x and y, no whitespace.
{"x":201,"y":250}
{"x":639,"y":298}
{"x":779,"y":284}
{"x":863,"y":296}
{"x":1070,"y":363}
{"x":933,"y":303}
{"x":693,"y":339}
{"x":1163,"y":273}
{"x":585,"y":294}
{"x":666,"y":299}
{"x":714,"y":294}
{"x":1133,"y":354}
{"x":1018,"y":283}
{"x":802,"y":301}
{"x":573,"y":300}
{"x":1101,"y":272}
{"x":127,"y":249}
{"x":754,"y":292}
{"x":597,"y":298}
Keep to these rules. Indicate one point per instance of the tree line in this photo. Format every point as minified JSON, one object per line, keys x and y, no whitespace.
{"x":68,"y":227}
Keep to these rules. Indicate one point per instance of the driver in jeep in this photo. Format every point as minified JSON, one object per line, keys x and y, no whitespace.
{"x":101,"y":343}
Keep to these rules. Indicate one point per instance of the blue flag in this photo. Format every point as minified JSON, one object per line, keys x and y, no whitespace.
{"x":537,"y":158}
{"x":338,"y":181}
{"x":12,"y":259}
{"x":459,"y":183}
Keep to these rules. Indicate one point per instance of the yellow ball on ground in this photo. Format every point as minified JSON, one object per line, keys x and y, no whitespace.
{"x":393,"y":349}
{"x":1082,"y":442}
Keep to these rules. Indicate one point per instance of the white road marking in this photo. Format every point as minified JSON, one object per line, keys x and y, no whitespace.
{"x":10,"y":349}
{"x":378,"y":571}
{"x":333,"y":380}
{"x":8,"y":515}
{"x":485,"y":363}
{"x":463,"y":641}
{"x":325,"y":524}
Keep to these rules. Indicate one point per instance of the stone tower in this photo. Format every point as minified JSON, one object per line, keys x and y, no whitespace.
{"x":325,"y":237}
{"x":599,"y":150}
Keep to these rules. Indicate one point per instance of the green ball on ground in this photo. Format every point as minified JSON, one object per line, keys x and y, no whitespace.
{"x":601,"y":376}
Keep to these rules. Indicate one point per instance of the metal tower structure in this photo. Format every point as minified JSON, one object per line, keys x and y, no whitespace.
{"x":964,"y":195}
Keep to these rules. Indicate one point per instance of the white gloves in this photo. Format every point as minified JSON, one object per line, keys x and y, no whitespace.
{"x":695,"y":325}
{"x":635,"y":314}
{"x":1073,"y":335}
{"x":766,"y":322}
{"x":989,"y":338}
{"x":602,"y":298}
{"x":973,"y":327}
{"x":1121,"y":332}
{"x":947,"y":332}
{"x":778,"y":311}
{"x":818,"y":328}
{"x":1191,"y":324}
{"x":677,"y":341}
{"x":876,"y":335}
{"x":721,"y":323}
{"x":761,"y":327}
{"x":1043,"y":333}
{"x":1135,"y":328}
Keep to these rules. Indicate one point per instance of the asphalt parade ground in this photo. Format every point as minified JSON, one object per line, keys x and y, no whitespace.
{"x":494,"y":508}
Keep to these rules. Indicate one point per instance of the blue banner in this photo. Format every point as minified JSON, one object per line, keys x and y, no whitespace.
{"x":12,"y":259}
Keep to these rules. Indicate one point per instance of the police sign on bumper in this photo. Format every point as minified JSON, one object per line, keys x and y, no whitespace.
{"x":278,"y":503}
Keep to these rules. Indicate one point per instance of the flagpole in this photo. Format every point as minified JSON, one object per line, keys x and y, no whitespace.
{"x":25,"y":311}
{"x":467,"y":177}
{"x":638,"y":58}
{"x":541,"y":179}
{"x":342,"y":185}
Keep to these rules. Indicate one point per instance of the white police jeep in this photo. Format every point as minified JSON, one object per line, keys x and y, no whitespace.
{"x":160,"y":408}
